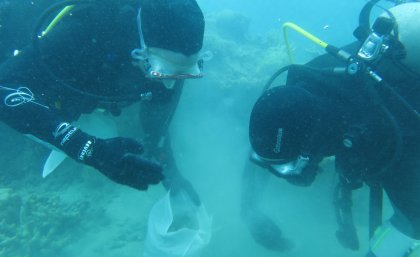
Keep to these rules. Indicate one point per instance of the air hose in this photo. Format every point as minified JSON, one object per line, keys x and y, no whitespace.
{"x":335,"y":51}
{"x":66,"y":7}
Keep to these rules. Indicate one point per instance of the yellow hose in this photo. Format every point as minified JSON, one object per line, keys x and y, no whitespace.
{"x":57,"y":18}
{"x":306,"y":34}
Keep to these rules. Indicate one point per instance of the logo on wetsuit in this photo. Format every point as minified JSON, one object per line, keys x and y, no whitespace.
{"x":86,"y":150}
{"x":279,"y":137}
{"x":67,"y":137}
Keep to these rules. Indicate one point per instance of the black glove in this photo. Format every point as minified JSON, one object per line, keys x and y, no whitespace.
{"x":266,"y":232}
{"x":177,"y":183}
{"x":117,"y":158}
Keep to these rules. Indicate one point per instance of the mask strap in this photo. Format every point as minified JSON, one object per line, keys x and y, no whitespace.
{"x":139,"y":54}
{"x":142,"y":43}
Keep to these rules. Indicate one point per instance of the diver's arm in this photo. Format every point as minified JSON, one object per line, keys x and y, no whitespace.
{"x":254,"y":181}
{"x":262,"y":228}
{"x":24,"y":91}
{"x":119,"y":158}
{"x":20,"y":110}
{"x":156,"y":116}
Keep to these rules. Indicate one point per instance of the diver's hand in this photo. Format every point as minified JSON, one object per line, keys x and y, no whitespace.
{"x":266,"y":232}
{"x":348,"y":238}
{"x":117,"y":158}
{"x":120,"y":160}
{"x":177,"y":184}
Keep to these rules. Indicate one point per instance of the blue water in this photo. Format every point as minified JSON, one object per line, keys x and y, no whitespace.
{"x":77,"y":212}
{"x":341,"y":16}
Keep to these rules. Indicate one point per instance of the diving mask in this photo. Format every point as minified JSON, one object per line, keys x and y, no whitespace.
{"x":282,"y":168}
{"x":162,"y":64}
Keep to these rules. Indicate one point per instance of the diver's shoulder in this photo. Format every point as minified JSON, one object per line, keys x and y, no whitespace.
{"x":104,"y":10}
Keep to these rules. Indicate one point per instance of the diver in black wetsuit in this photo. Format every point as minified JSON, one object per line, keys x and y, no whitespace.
{"x":367,"y":117}
{"x":107,"y":54}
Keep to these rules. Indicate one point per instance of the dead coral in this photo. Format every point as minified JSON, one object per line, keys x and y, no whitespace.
{"x":35,"y":225}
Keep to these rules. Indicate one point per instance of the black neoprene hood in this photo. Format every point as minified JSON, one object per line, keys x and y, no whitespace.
{"x":281,"y":121}
{"x":175,"y":25}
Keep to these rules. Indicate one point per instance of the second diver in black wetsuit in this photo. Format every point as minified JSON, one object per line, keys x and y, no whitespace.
{"x":368,"y":118}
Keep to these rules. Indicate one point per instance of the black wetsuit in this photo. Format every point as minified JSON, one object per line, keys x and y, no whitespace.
{"x":17,"y":19}
{"x":83,"y":63}
{"x":374,"y":138}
